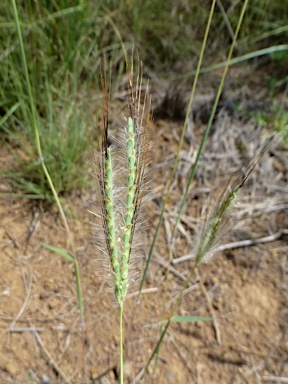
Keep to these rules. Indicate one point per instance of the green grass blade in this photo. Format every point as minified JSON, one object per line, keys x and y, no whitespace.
{"x":189,"y":108}
{"x":50,"y":17}
{"x":61,"y":252}
{"x":8,"y":114}
{"x":211,"y":118}
{"x":239,"y":59}
{"x":28,"y":84}
{"x":179,"y":146}
{"x":79,"y":292}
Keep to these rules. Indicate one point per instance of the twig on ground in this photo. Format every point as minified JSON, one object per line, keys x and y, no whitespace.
{"x":28,"y":290}
{"x":186,"y":361}
{"x":237,"y":244}
{"x":32,"y":228}
{"x":259,"y":208}
{"x":188,"y":290}
{"x":138,"y":377}
{"x":211,"y":310}
{"x":163,"y":263}
{"x":24,"y":329}
{"x":181,"y":229}
{"x":275,"y":379}
{"x":11,"y":238}
{"x":50,"y":360}
{"x":147,"y":290}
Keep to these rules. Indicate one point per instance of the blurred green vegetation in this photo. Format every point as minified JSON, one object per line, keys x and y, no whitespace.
{"x":64,"y":42}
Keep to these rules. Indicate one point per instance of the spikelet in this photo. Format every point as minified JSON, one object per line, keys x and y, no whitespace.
{"x":121,"y":172}
{"x":217,"y":219}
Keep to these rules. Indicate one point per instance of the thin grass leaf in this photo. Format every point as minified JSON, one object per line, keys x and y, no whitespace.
{"x":9,"y":113}
{"x":189,"y":108}
{"x":239,"y":59}
{"x":210,"y":121}
{"x":60,"y":251}
{"x":79,"y":292}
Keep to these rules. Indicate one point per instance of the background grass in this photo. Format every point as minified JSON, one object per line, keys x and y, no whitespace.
{"x":64,"y":42}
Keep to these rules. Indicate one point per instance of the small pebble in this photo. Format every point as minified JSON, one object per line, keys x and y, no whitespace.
{"x":45,"y":379}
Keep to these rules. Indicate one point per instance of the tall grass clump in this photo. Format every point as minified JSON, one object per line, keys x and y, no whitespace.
{"x":121,"y":169}
{"x":63,"y":42}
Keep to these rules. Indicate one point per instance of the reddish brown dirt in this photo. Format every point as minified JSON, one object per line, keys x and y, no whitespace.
{"x":245,"y":289}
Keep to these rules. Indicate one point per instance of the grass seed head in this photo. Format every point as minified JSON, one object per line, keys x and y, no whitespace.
{"x":121,"y":170}
{"x":216,"y":222}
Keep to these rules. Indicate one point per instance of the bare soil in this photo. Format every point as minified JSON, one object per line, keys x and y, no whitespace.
{"x":244,"y":289}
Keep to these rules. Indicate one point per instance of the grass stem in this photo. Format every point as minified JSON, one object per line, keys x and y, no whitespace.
{"x":211,"y":118}
{"x":189,"y":108}
{"x":121,"y":345}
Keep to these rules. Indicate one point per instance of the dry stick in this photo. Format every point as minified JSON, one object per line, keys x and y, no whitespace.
{"x":164,"y":264}
{"x":47,"y":354}
{"x":275,"y":379}
{"x":226,"y":19}
{"x":145,"y":291}
{"x":214,"y":319}
{"x":50,"y":359}
{"x":186,"y":361}
{"x":187,"y":290}
{"x":28,"y":291}
{"x":25,"y":329}
{"x":236,"y":244}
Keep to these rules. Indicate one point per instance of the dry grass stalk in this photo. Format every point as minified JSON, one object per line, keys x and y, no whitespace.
{"x":216,"y":222}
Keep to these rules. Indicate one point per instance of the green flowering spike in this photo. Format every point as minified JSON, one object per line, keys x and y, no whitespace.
{"x":130,"y":206}
{"x":119,"y":215}
{"x":110,"y":219}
